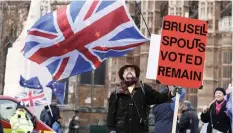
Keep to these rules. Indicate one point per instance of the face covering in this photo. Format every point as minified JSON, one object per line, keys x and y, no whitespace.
{"x":131,"y":81}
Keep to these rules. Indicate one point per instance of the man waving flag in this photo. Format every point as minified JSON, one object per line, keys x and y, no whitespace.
{"x":78,"y":37}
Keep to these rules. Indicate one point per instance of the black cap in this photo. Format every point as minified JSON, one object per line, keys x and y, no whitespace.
{"x":121,"y":71}
{"x":220,"y":89}
{"x":20,"y":105}
{"x":46,"y":107}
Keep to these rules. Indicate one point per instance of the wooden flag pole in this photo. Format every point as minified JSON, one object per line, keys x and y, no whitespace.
{"x":175,"y":113}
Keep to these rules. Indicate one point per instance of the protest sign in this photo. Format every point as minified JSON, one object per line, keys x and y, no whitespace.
{"x":181,"y":56}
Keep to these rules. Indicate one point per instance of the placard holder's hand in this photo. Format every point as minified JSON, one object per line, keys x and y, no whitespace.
{"x":174,"y":90}
{"x":205,"y":109}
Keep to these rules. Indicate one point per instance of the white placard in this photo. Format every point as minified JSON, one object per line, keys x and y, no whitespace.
{"x":153,"y":58}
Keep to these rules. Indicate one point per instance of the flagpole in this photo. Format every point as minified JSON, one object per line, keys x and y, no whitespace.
{"x":175,"y":113}
{"x":92,"y":85}
{"x":143,"y":17}
{"x":50,"y":110}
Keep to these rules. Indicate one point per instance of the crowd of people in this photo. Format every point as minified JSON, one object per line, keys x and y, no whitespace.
{"x":135,"y":107}
{"x":50,"y":115}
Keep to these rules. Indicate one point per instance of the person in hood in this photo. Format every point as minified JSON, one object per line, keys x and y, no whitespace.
{"x":163,"y":113}
{"x":188,"y":122}
{"x":216,"y":115}
{"x":128,"y":103}
{"x":45,"y":116}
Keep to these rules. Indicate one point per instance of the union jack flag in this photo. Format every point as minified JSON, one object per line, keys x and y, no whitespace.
{"x":32,"y":98}
{"x":78,"y":37}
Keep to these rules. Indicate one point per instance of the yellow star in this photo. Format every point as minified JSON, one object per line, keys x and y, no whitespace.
{"x":97,"y":34}
{"x":65,"y":51}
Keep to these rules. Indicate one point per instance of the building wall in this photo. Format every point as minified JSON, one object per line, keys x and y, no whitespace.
{"x":217,"y":72}
{"x":12,"y":17}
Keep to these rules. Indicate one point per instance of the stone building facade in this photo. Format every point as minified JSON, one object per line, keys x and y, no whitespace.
{"x":218,"y":64}
{"x":12,"y":17}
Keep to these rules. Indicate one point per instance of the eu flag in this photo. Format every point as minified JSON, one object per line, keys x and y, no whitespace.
{"x":32,"y":83}
{"x":58,"y":89}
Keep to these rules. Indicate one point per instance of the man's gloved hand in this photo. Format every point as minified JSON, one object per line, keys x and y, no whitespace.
{"x":175,"y":89}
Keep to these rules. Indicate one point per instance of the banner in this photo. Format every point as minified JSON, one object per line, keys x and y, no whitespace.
{"x":179,"y":56}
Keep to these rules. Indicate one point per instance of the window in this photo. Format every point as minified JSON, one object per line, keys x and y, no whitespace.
{"x":151,"y":5}
{"x":193,"y":100}
{"x":227,"y":57}
{"x":226,"y":71}
{"x":225,"y":83}
{"x":7,"y":109}
{"x":210,"y":24}
{"x":85,"y":78}
{"x":193,"y":90}
{"x":99,"y":77}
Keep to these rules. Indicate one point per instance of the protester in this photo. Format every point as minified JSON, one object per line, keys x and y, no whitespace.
{"x":128,"y":103}
{"x":215,"y":114}
{"x":57,"y":125}
{"x":55,"y":111}
{"x":188,"y":121}
{"x":45,"y":116}
{"x":19,"y":122}
{"x":74,"y":123}
{"x":164,"y":114}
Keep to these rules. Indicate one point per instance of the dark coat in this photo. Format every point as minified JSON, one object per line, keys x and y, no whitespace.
{"x":1,"y":128}
{"x":163,"y":118}
{"x":221,"y":121}
{"x":56,"y":112}
{"x":188,"y":121}
{"x":46,"y":117}
{"x":122,"y":115}
{"x":72,"y":125}
{"x":164,"y":114}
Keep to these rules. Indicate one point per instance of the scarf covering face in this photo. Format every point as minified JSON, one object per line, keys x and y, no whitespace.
{"x":219,"y":106}
{"x":130,"y":82}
